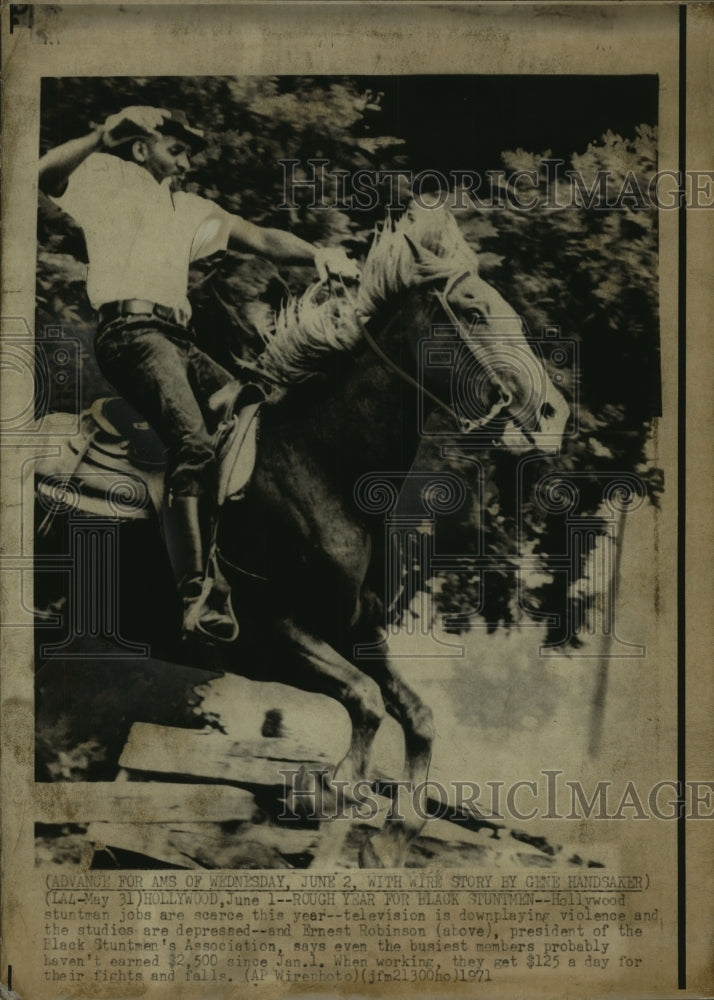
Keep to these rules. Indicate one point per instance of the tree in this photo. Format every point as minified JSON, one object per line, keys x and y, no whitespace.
{"x":252,"y":123}
{"x":590,"y":271}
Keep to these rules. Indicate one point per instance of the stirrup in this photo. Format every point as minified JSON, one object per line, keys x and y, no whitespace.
{"x":211,"y":624}
{"x":216,"y":626}
{"x":208,"y":612}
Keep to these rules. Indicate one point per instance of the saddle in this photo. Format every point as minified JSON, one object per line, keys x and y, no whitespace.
{"x":118,"y":461}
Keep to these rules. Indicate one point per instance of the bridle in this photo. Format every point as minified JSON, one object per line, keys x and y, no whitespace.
{"x":466,"y":424}
{"x":505,"y":399}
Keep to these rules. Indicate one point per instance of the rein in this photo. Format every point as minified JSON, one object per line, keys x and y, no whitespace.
{"x":465,"y":424}
{"x":405,"y":376}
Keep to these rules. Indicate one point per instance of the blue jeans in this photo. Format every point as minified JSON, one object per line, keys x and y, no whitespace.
{"x":156,"y":366}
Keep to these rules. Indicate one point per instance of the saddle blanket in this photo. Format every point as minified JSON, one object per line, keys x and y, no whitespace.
{"x":114,"y":467}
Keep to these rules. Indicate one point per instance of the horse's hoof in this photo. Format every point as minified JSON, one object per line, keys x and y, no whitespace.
{"x":368,"y":857}
{"x":382,"y":851}
{"x":311,"y":796}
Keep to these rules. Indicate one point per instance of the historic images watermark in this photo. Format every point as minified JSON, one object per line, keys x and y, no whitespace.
{"x":308,"y":794}
{"x":44,"y":366}
{"x":552,"y":187}
{"x":486,"y":414}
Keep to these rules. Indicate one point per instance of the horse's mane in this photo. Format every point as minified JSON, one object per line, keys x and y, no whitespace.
{"x":424,"y":245}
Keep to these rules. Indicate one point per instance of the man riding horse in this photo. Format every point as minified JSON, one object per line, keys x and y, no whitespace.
{"x":119,"y":182}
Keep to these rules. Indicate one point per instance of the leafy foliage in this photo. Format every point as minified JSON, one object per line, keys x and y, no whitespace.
{"x":592,"y":272}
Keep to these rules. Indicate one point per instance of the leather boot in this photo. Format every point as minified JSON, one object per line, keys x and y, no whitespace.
{"x":205,"y":598}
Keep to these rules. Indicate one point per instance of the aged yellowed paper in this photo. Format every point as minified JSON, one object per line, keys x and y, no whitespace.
{"x":356,"y":528}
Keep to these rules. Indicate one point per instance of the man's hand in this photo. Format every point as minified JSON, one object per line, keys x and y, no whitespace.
{"x":132,"y":123}
{"x":334,"y":260}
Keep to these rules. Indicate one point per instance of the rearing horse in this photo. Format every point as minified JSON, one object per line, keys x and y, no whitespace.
{"x":311,"y":585}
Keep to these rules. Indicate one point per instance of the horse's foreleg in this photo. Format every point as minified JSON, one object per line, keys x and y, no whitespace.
{"x":325,"y":671}
{"x":388,"y":848}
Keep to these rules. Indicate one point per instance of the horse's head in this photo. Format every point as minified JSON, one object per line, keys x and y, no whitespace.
{"x":497,"y":382}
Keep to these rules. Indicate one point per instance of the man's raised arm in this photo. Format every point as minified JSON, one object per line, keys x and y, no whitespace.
{"x":58,"y":164}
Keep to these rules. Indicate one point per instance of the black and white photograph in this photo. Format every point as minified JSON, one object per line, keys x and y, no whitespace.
{"x":352,"y":520}
{"x":339,"y":395}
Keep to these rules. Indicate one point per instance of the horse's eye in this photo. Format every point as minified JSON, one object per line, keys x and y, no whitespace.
{"x":547,"y":411}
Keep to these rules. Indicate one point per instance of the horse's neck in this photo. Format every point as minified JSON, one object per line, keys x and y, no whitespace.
{"x":380,"y":409}
{"x":362,"y":419}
